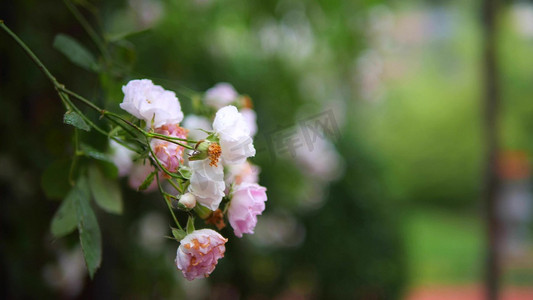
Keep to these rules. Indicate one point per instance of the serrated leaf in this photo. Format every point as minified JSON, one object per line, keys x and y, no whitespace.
{"x":75,"y":52}
{"x":146,"y":183}
{"x":190,"y":225}
{"x":54,"y":180}
{"x":65,"y":219}
{"x":89,"y":231}
{"x":74,"y":119}
{"x":178,"y":234}
{"x":106,"y":193}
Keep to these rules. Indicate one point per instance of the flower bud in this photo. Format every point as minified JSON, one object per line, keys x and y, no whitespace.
{"x":200,"y":150}
{"x":188,"y":200}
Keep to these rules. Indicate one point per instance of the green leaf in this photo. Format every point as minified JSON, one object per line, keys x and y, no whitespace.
{"x":146,"y":183}
{"x":65,"y":219}
{"x":75,"y":52}
{"x":106,"y":193}
{"x":118,"y":37}
{"x":93,"y":153}
{"x":108,"y":167}
{"x":190,"y":225}
{"x":178,"y":234}
{"x":74,"y":119}
{"x":185,"y":172}
{"x":90,"y":236}
{"x":54,"y":180}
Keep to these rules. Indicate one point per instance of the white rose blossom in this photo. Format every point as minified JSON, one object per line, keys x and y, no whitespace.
{"x":207,"y":183}
{"x":234,"y":135}
{"x":147,"y":101}
{"x":220,"y":95}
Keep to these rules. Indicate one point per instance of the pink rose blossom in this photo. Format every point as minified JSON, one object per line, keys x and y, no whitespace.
{"x":220,"y":95}
{"x":199,"y":252}
{"x":247,"y":202}
{"x":245,"y":172}
{"x":169,"y":154}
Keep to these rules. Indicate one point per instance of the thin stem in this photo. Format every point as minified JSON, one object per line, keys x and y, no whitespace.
{"x":176,"y":187}
{"x":85,"y":118}
{"x":121,"y":126}
{"x":161,"y":166}
{"x":74,"y":159}
{"x":60,"y":88}
{"x":153,"y":134}
{"x":165,"y":138}
{"x":167,"y":200}
{"x":82,"y":99}
{"x":109,"y":114}
{"x":30,"y":54}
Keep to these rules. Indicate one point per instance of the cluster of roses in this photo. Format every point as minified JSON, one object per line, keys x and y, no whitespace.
{"x":205,"y":162}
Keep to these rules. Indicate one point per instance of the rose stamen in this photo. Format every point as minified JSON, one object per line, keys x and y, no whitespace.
{"x":214,"y":151}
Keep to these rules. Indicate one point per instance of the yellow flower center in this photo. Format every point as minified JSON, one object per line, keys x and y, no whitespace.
{"x":214,"y":152}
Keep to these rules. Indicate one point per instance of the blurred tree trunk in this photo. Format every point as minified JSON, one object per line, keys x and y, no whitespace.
{"x":491,"y":102}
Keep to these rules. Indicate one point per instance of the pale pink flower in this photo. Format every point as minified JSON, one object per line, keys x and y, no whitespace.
{"x":245,"y":172}
{"x":195,"y":124}
{"x":147,"y":101}
{"x":138,"y":174}
{"x":122,"y":157}
{"x":207,"y":183}
{"x":199,"y":252}
{"x":234,"y":134}
{"x":248,"y":201}
{"x":169,"y":154}
{"x":322,"y":161}
{"x":250,"y":119}
{"x":220,"y":95}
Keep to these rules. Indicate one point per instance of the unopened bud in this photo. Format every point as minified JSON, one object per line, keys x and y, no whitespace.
{"x":188,"y":200}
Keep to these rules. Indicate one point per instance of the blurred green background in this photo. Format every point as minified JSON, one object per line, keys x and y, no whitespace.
{"x":390,"y":202}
